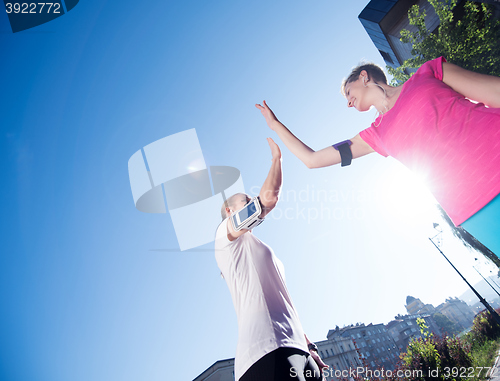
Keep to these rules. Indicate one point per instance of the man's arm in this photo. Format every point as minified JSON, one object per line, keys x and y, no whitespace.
{"x":313,"y":350}
{"x":269,"y":193}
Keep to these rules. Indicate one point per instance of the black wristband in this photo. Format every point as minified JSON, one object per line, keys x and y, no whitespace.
{"x":312,"y":347}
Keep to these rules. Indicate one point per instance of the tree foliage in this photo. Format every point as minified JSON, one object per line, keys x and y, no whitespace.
{"x":446,"y":326}
{"x":484,"y":328}
{"x":431,"y":358}
{"x":437,"y":358}
{"x":471,"y":41}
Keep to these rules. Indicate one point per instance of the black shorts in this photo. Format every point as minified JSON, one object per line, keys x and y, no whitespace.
{"x":284,"y":364}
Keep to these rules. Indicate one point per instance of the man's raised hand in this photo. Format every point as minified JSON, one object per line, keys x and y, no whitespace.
{"x":275,"y":150}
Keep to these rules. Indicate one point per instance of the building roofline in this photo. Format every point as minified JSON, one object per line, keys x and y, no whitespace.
{"x":213,"y":365}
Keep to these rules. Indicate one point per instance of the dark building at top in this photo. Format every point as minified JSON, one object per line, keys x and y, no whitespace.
{"x":383,"y":20}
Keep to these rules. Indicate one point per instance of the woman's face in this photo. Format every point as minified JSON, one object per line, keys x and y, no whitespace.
{"x":357,"y":95}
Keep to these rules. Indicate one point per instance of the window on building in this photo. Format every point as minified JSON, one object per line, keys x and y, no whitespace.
{"x":341,"y":348}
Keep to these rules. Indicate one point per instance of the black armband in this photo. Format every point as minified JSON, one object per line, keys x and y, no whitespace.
{"x":312,"y":347}
{"x":345,"y":152}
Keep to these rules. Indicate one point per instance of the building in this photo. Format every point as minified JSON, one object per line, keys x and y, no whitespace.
{"x":415,"y":306}
{"x":454,"y":309}
{"x":373,"y":342}
{"x":479,"y":307}
{"x":405,"y":328}
{"x":222,"y":370}
{"x":339,"y":353}
{"x":457,"y":311}
{"x":383,"y":20}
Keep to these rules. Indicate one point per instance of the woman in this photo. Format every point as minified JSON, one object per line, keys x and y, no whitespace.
{"x":430,"y":125}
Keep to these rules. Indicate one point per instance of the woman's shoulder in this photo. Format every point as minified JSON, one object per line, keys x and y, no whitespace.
{"x":433,"y":67}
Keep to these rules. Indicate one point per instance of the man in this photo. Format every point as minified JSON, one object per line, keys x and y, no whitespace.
{"x":271,"y":344}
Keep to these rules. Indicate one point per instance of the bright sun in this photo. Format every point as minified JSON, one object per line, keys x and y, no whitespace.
{"x":403,"y":195}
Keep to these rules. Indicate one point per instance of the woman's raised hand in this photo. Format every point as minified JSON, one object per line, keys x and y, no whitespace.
{"x":268,"y":114}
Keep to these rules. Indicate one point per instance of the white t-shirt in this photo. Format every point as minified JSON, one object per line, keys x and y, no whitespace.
{"x":266,"y":316}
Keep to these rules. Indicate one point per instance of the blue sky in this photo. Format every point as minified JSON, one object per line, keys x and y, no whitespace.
{"x":91,"y":288}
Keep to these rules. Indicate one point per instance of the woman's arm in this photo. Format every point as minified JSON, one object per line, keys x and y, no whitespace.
{"x":477,"y":87}
{"x":312,"y":159}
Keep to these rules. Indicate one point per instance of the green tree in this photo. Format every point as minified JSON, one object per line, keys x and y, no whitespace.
{"x":446,"y":326}
{"x":432,"y":358}
{"x":471,"y":41}
{"x":424,"y":329}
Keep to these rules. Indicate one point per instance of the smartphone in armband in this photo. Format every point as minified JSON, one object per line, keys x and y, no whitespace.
{"x":248,"y":216}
